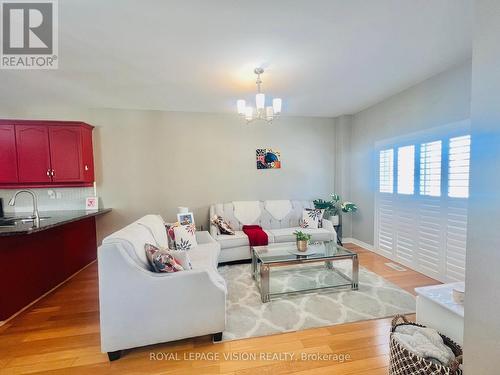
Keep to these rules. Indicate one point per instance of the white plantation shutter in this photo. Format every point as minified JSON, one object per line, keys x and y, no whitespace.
{"x":386,"y":225}
{"x":430,"y":168}
{"x":386,"y":204}
{"x":458,"y":186}
{"x":421,"y":222}
{"x":406,"y":169}
{"x":455,"y":240}
{"x":386,"y":171}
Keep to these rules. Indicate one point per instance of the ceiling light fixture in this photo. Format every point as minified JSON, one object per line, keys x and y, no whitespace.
{"x":261,"y":112}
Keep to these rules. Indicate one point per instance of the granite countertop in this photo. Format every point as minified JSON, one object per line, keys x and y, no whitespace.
{"x":50,"y":219}
{"x":442,"y":294}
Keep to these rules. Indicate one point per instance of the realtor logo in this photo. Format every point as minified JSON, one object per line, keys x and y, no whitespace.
{"x":29,"y":34}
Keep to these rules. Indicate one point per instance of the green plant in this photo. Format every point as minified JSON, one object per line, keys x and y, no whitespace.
{"x":349,"y":207}
{"x":334,"y":206}
{"x":301,"y":236}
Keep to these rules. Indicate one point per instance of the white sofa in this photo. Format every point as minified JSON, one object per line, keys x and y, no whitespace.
{"x":278,"y":218}
{"x":139,"y":307}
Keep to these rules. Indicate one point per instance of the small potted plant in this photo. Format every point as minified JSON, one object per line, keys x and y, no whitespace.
{"x":302,"y":240}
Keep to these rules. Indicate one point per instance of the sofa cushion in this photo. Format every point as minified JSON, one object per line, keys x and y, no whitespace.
{"x":286,"y":234}
{"x":156,"y":225}
{"x":206,"y":257}
{"x":279,"y":209}
{"x":311,"y":218}
{"x":247,"y":212}
{"x":161,"y":260}
{"x":185,"y":238}
{"x":203,"y":256}
{"x":239,"y":239}
{"x":137,"y":236}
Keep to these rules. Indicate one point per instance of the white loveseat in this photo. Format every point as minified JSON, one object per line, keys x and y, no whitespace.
{"x":139,"y":307}
{"x":278,"y":218}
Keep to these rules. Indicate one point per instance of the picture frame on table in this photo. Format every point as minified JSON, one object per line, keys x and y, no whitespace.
{"x":185,"y":218}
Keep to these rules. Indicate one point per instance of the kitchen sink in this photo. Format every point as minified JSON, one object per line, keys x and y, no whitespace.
{"x":8,"y":222}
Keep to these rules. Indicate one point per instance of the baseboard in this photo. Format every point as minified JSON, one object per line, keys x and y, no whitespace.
{"x":2,"y":322}
{"x":359,"y":243}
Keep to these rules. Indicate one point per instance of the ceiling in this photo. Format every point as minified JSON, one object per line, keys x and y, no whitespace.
{"x":323,"y":57}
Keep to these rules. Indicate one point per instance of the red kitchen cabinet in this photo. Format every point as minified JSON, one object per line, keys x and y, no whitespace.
{"x":66,"y":153}
{"x":8,"y":156}
{"x":45,"y":153}
{"x":87,"y":155}
{"x":33,"y":155}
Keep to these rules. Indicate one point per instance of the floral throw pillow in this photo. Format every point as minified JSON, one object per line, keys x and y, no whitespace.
{"x":222,"y":225}
{"x":311,"y":218}
{"x":185,"y":238}
{"x":160,"y":260}
{"x":181,"y":257}
{"x":170,"y":234}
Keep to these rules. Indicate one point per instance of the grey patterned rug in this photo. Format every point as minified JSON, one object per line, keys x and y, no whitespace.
{"x":247,"y":316}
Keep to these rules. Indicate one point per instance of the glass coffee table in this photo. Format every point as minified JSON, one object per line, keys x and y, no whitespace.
{"x":280,"y":269}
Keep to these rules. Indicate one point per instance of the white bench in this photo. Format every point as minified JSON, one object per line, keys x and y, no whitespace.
{"x":437,"y":309}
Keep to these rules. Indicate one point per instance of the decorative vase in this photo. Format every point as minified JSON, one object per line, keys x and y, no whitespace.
{"x":302,"y":245}
{"x":335,"y":220}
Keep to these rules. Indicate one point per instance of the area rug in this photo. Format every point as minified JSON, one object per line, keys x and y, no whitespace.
{"x":247,"y":316}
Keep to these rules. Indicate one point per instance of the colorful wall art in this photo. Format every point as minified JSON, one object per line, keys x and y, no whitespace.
{"x":268,"y":158}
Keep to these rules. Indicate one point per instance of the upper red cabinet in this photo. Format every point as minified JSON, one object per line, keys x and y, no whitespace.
{"x":33,"y":156}
{"x":45,"y":153}
{"x":66,"y":153}
{"x":8,"y":157}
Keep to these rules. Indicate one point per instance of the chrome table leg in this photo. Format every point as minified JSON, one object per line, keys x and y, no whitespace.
{"x":264,"y":282}
{"x":355,"y":272}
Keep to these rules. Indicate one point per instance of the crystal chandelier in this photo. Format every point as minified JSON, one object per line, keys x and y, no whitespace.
{"x":260,"y":112}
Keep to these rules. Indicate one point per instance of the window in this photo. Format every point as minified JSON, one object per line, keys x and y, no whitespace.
{"x":421,"y":202}
{"x":459,"y":162}
{"x":406,"y":169}
{"x":386,"y":171}
{"x":430,"y":168}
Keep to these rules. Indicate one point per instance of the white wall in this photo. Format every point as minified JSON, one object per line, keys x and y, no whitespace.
{"x":482,"y":302}
{"x":153,"y":161}
{"x":441,"y":99}
{"x":343,"y":133}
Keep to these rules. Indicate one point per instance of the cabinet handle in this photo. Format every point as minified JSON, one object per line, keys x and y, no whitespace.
{"x":53,"y":173}
{"x":48,"y":172}
{"x":86,"y":167}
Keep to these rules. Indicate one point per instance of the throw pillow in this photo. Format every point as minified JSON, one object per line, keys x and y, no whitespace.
{"x":160,"y":260}
{"x":311,"y":218}
{"x":185,"y":238}
{"x":171,"y":234}
{"x":222,"y":225}
{"x":181,"y":257}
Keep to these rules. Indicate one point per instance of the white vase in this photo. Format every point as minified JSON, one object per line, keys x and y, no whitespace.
{"x":335,"y":219}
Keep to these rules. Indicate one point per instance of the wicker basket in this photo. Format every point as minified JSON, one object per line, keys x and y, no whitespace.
{"x":404,"y":362}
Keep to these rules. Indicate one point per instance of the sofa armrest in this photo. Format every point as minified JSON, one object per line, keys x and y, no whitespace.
{"x":203,"y":237}
{"x":139,"y":307}
{"x":328,"y":225}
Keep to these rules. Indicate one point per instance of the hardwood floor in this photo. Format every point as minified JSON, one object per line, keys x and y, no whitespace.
{"x":60,"y":335}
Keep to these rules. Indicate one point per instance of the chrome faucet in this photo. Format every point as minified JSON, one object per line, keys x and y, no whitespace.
{"x":36,"y":216}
